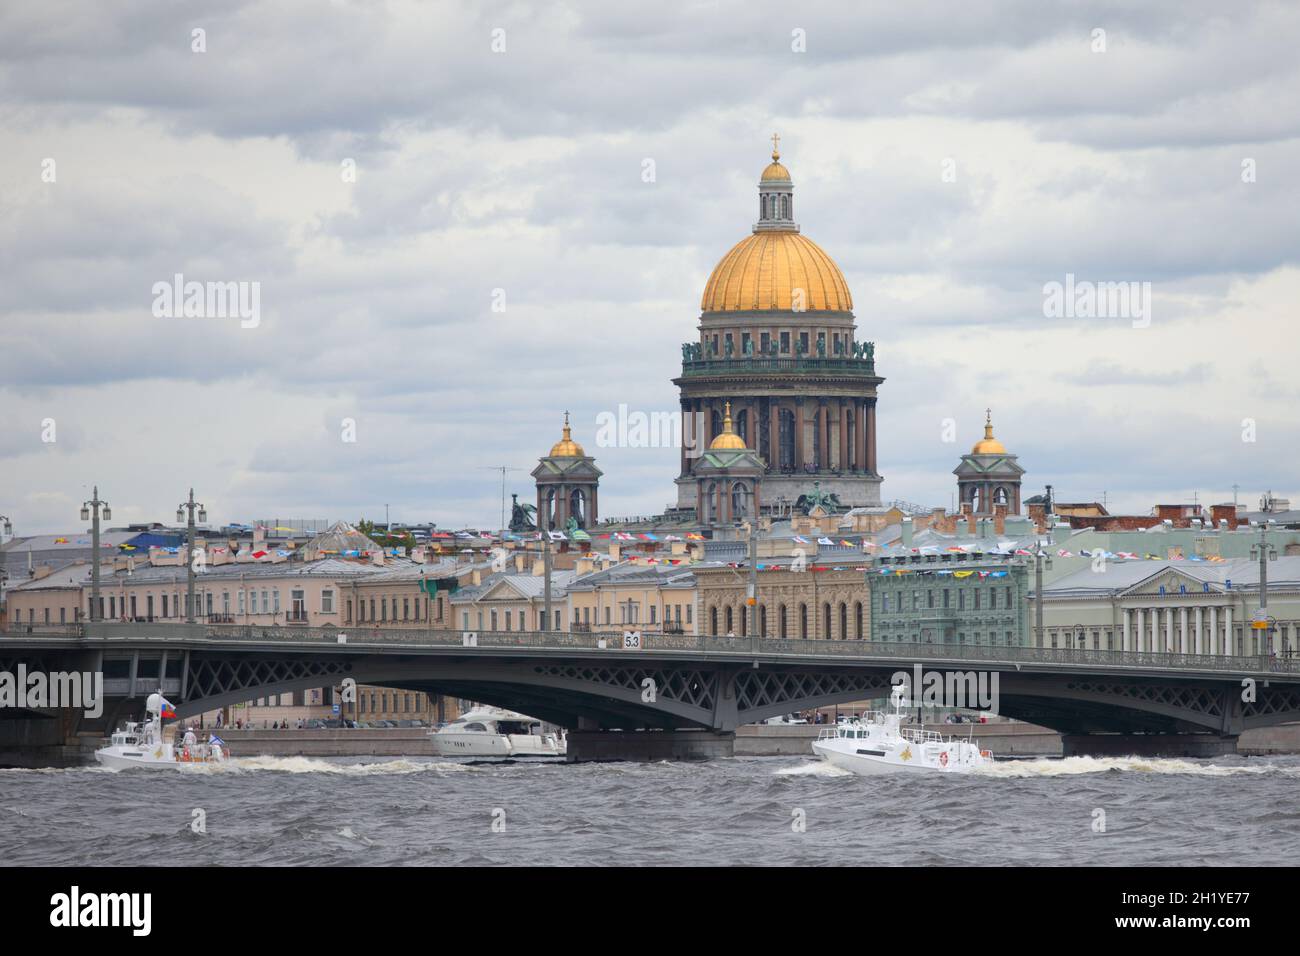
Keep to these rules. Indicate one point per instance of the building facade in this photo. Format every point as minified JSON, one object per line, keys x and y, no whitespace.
{"x":950,"y":598}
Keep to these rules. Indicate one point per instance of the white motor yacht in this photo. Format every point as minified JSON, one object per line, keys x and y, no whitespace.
{"x":880,"y":744}
{"x":142,"y":744}
{"x":494,"y":732}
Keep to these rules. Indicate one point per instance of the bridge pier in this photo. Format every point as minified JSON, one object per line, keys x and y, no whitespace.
{"x":1147,"y":745}
{"x":648,"y":745}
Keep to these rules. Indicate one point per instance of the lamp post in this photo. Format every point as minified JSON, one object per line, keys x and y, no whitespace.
{"x":1265,"y":552}
{"x":1039,"y":557}
{"x":92,"y":511}
{"x":190,"y":506}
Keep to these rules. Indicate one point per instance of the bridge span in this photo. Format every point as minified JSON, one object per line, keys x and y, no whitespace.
{"x":636,"y":694}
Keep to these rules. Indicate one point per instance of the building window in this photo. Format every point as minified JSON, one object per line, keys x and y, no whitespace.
{"x":493,"y":617}
{"x":327,"y":601}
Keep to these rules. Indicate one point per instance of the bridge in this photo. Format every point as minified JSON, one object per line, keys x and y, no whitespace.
{"x":650,"y":695}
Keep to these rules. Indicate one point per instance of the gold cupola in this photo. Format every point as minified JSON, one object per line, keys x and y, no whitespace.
{"x":988,"y":445}
{"x":727,"y":439}
{"x":566,"y":447}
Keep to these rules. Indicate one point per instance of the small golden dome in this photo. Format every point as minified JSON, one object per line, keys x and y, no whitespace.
{"x":566,"y":447}
{"x":775,"y":170}
{"x":988,"y":445}
{"x":727,"y":439}
{"x":762,"y":271}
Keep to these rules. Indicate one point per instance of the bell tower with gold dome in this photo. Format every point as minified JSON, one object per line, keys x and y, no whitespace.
{"x":567,"y":481}
{"x":778,"y":342}
{"x":989,"y":476}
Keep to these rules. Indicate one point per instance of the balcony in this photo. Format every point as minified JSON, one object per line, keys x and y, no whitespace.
{"x":768,"y":365}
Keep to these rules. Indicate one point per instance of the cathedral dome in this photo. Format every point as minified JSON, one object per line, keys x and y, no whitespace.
{"x":727,"y":438}
{"x":566,"y":447}
{"x":988,"y":445}
{"x":762,"y":271}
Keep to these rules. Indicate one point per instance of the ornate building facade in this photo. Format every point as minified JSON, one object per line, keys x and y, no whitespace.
{"x":778,"y":342}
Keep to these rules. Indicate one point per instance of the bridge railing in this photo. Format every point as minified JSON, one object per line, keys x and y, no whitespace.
{"x":613,"y":641}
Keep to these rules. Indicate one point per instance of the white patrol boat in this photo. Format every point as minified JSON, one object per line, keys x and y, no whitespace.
{"x":880,"y":744}
{"x":493,"y":732}
{"x":142,"y":744}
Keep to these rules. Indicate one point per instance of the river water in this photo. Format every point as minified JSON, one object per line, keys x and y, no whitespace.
{"x":434,"y":811}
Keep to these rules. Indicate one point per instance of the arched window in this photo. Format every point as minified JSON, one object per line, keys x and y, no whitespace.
{"x":578,"y":507}
{"x":781,"y":622}
{"x":857,"y":620}
{"x":744,"y":620}
{"x":803,"y":621}
{"x":741,"y":426}
{"x":1000,"y":495}
{"x":762,"y":620}
{"x":713,"y":621}
{"x":729,"y":627}
{"x":844,"y":621}
{"x":739,"y":500}
{"x":826,"y":621}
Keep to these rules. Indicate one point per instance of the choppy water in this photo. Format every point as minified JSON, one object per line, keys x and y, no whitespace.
{"x":394,"y":811}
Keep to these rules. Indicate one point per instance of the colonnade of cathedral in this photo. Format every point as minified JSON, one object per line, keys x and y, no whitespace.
{"x":794,"y":435}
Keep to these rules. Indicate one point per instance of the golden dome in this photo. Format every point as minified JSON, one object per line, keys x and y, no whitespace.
{"x":775,"y":170}
{"x":566,"y":447}
{"x":988,"y":445}
{"x":727,"y":439}
{"x":762,"y":271}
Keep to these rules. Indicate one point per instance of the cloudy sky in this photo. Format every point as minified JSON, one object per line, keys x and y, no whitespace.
{"x":127,"y":156}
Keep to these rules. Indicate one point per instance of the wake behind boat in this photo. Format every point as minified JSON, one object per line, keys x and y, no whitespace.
{"x":494,"y":732}
{"x":880,"y":744}
{"x":142,"y":744}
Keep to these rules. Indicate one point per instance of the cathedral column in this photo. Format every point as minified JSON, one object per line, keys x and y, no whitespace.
{"x":1229,"y":639}
{"x":1212,"y":647}
{"x":1124,"y":642}
{"x":1198,"y":644}
{"x":686,"y":435}
{"x":1182,"y":629}
{"x":824,"y":427}
{"x":1140,"y":643}
{"x":842,"y":459}
{"x":798,"y":434}
{"x":871,"y":435}
{"x":773,"y":435}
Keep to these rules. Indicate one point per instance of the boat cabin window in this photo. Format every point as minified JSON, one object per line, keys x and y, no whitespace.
{"x":475,"y":726}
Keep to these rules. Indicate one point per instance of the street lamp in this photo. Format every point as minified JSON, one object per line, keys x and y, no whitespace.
{"x":1041,"y":557}
{"x":8,"y":525}
{"x":93,"y":510}
{"x":1265,"y":552}
{"x":190,"y":506}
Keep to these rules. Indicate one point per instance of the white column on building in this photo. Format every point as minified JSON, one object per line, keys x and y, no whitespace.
{"x":1182,"y":629}
{"x":1200,"y":647}
{"x":1229,"y":643}
{"x":1153,"y":639}
{"x":1169,"y":630}
{"x":1137,"y":643}
{"x":1125,"y":645}
{"x":1213,"y":646}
